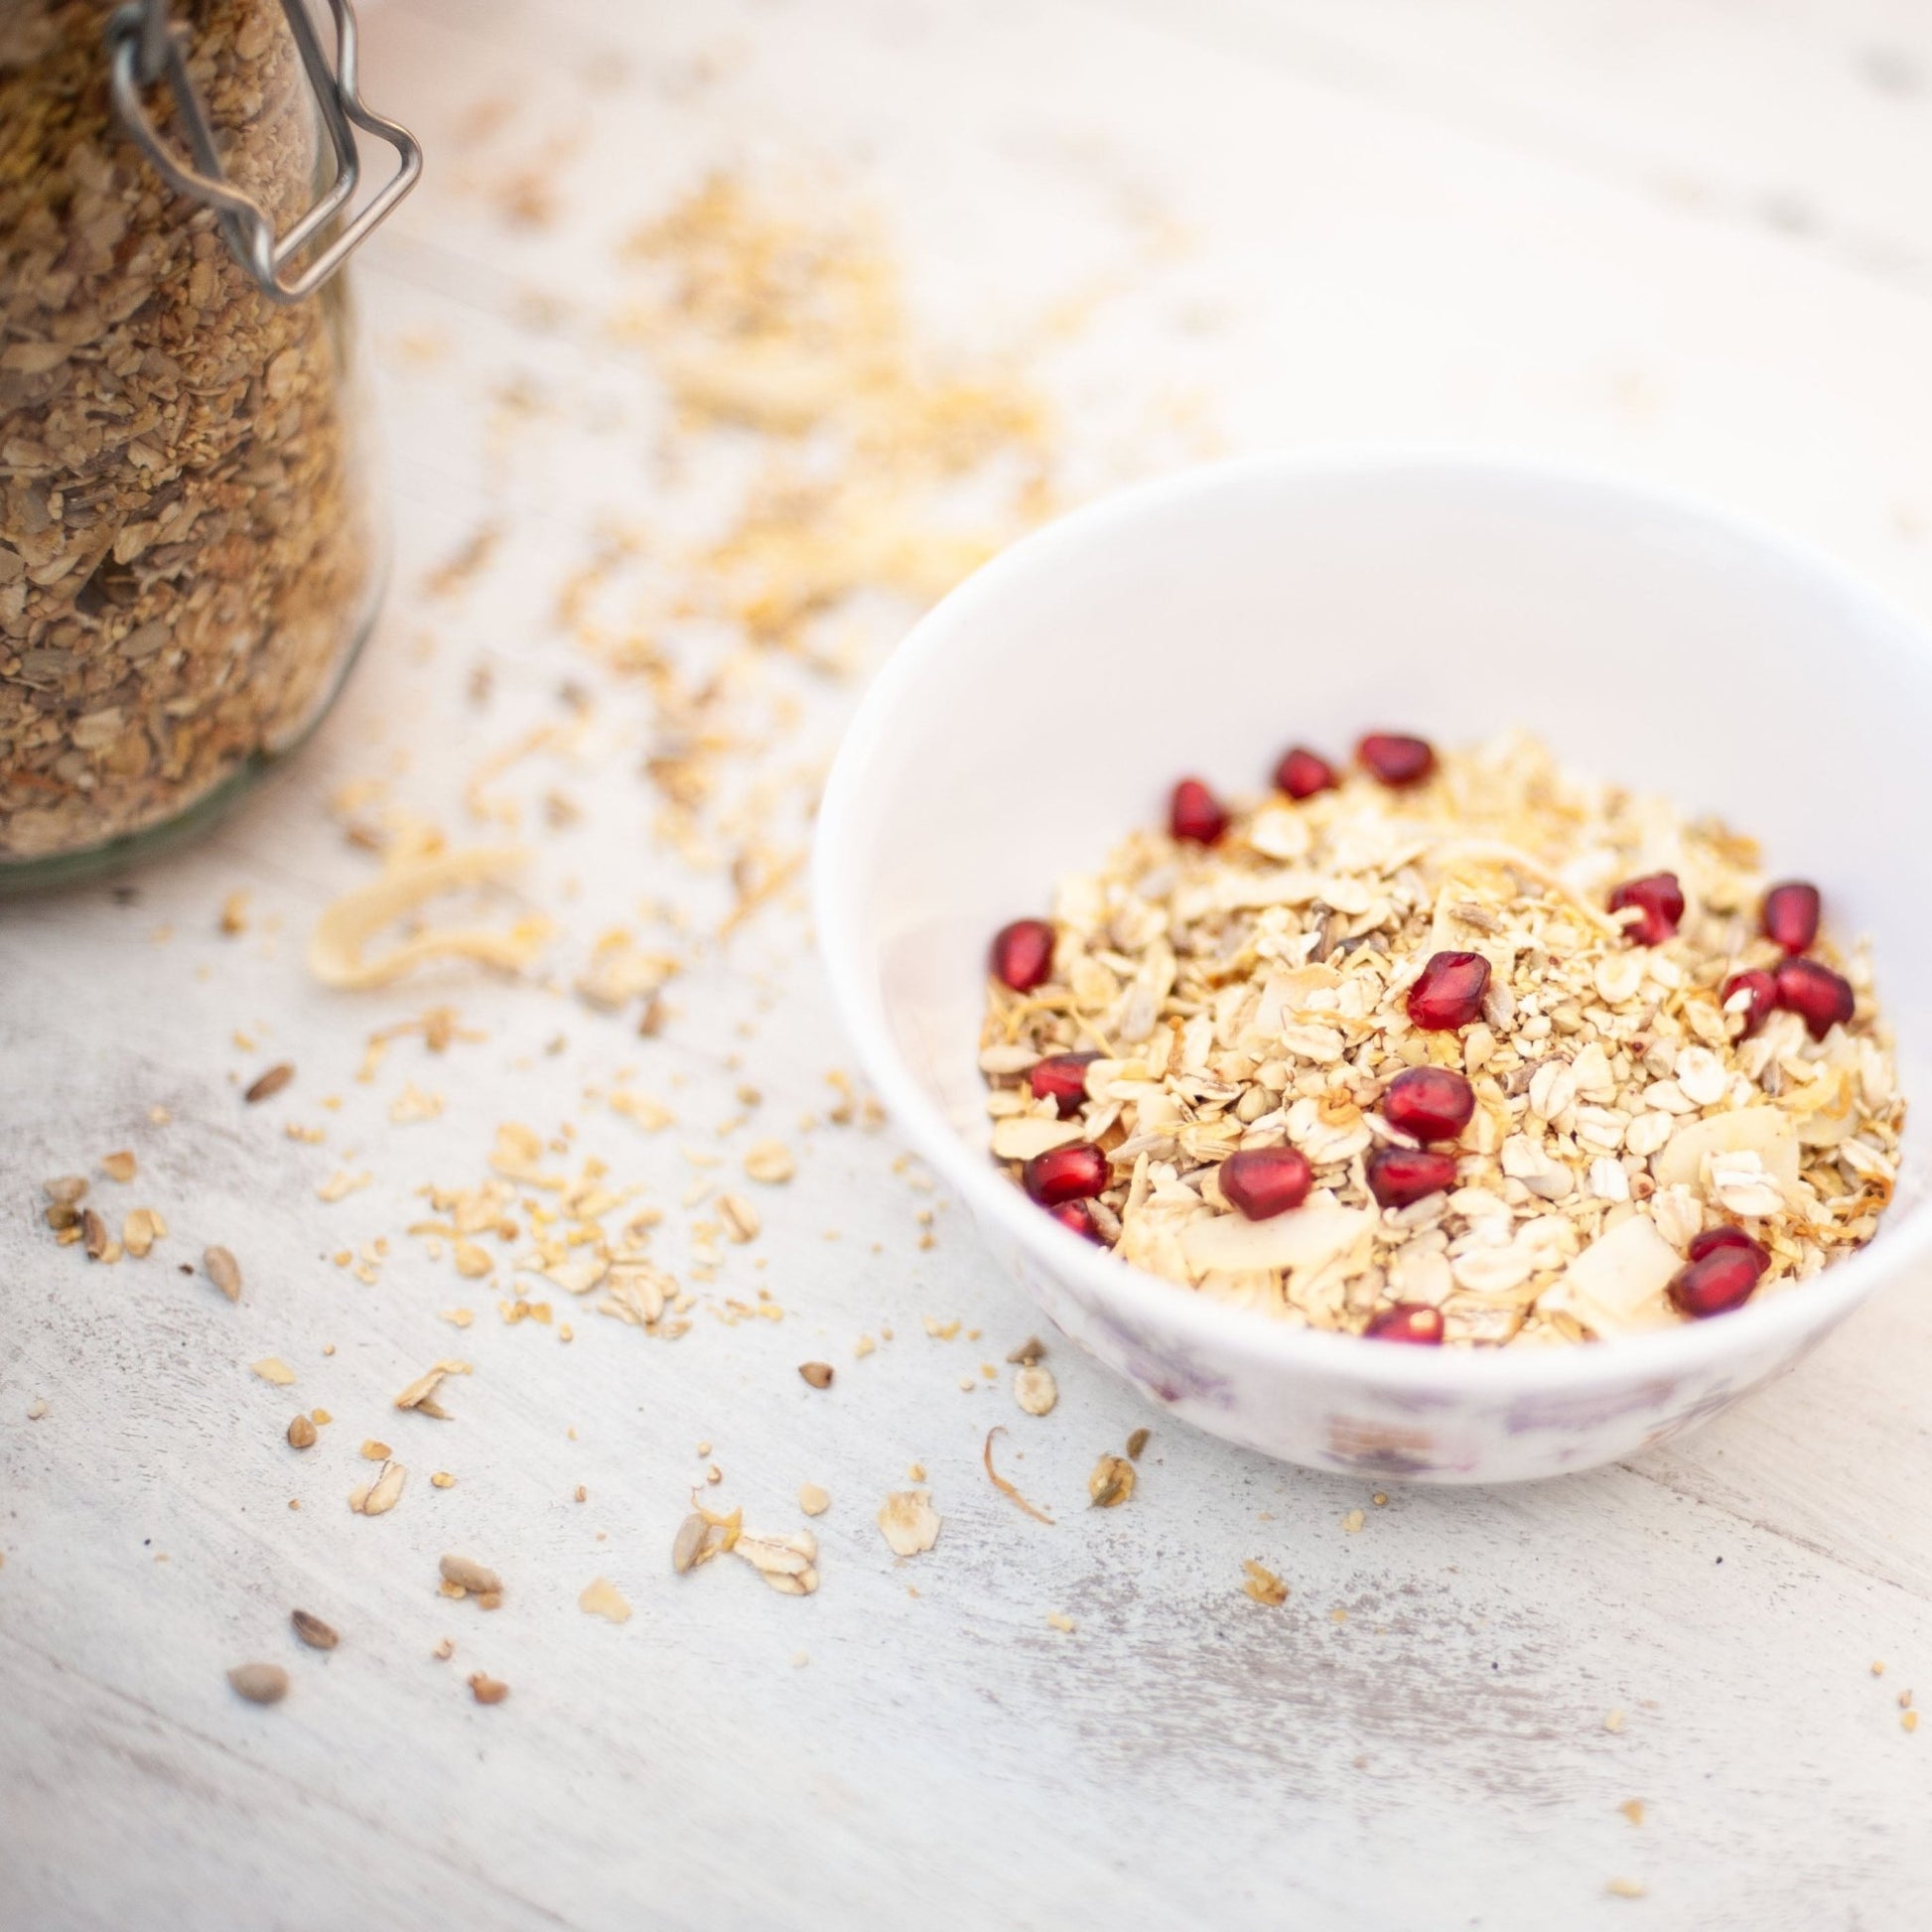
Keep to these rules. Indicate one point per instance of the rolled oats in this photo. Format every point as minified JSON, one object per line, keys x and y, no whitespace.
{"x":1253,"y":992}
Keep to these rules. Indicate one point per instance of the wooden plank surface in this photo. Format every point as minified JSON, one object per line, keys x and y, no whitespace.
{"x":1381,"y":239}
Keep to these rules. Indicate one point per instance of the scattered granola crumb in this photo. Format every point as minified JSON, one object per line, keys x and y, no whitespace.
{"x":863,"y":1346}
{"x":1624,"y":1888}
{"x":487,"y":1689}
{"x":268,"y":1083}
{"x":118,"y":1165}
{"x":1112,"y":1482}
{"x":739,"y":1218}
{"x":420,"y":1393}
{"x":813,"y":1500}
{"x":271,"y":1368}
{"x":908,"y":1522}
{"x":374,"y":1452}
{"x":260,"y":1682}
{"x":769,"y":1162}
{"x":1632,"y":1809}
{"x":1059,"y":1620}
{"x":378,"y":1497}
{"x":445,"y":1649}
{"x":604,"y":1599}
{"x":300,"y":1432}
{"x":317,"y":1634}
{"x":818,"y":1374}
{"x":1035,"y":1389}
{"x":1029,"y":1352}
{"x":223,"y":1270}
{"x":1353,"y":1521}
{"x":1380,"y":1499}
{"x":441,"y":1480}
{"x":1877,"y":1667}
{"x":470,"y":1576}
{"x":142,"y":1228}
{"x":35,"y":1409}
{"x":234,"y":912}
{"x":1908,"y":1720}
{"x":1135,"y":1443}
{"x":1261,"y":1584}
{"x":1613,"y":1721}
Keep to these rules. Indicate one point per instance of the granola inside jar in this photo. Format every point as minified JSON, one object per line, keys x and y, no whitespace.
{"x":188,"y":551}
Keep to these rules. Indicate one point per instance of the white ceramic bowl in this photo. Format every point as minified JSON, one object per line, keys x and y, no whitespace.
{"x":1204,"y":621}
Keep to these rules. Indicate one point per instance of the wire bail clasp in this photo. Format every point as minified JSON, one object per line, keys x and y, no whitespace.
{"x":144,"y":45}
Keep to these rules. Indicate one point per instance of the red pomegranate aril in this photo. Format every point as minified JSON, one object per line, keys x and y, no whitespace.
{"x":1301,"y":774}
{"x":1398,"y":1176}
{"x":1428,"y":1102}
{"x":1022,"y":954}
{"x":1077,"y":1218}
{"x":1763,"y":991}
{"x":1196,"y":814}
{"x":1789,"y":915}
{"x":1819,"y":996}
{"x":1395,"y":760}
{"x":1660,"y":900}
{"x":1065,"y":1174}
{"x":1713,"y":1239}
{"x":1413,"y":1322}
{"x":1260,"y":1182}
{"x":1062,"y":1079}
{"x":1449,"y":991}
{"x":1716,"y":1282}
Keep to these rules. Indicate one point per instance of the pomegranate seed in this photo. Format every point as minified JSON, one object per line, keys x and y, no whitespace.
{"x":1407,"y":1322}
{"x":1719,"y":1280}
{"x":1077,"y":1218}
{"x":1790,"y":915}
{"x":1022,"y":954}
{"x":1263,"y":1181}
{"x":1301,"y":774}
{"x":1713,"y":1239}
{"x":1395,"y":760}
{"x":1063,"y":1080}
{"x":1819,"y":996}
{"x":1197,"y":814}
{"x":1449,"y":991}
{"x":1398,"y":1176}
{"x":1065,"y":1174}
{"x":1763,"y":991}
{"x":1429,"y":1102}
{"x":1659,"y":897}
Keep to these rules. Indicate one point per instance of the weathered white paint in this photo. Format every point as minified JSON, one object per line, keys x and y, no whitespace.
{"x":1370,"y":258}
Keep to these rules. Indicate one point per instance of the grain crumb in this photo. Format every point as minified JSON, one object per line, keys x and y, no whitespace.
{"x":1035,"y":1389}
{"x":317,"y":1634}
{"x":271,"y":1368}
{"x":1135,"y":1443}
{"x":487,"y":1689}
{"x":118,"y":1165}
{"x":1624,"y":1888}
{"x":378,"y":1497}
{"x":473,"y":1579}
{"x":1613,"y":1721}
{"x":769,"y":1162}
{"x":1353,"y":1521}
{"x":1632,"y":1809}
{"x":223,"y":1270}
{"x":603,"y":1599}
{"x":260,"y":1682}
{"x":1261,"y":1584}
{"x":1059,"y":1620}
{"x":908,"y":1522}
{"x":441,"y":1480}
{"x":813,"y":1500}
{"x":818,"y":1374}
{"x":1112,"y":1482}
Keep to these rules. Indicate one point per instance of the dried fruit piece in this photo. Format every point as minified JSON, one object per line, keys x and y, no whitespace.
{"x":1077,"y":1218}
{"x":223,"y":1270}
{"x":818,"y":1374}
{"x":1658,"y":900}
{"x":1263,"y":1181}
{"x":1195,"y":815}
{"x":317,"y":1634}
{"x":1429,"y":1102}
{"x":302,"y":1432}
{"x":260,"y":1682}
{"x":1413,"y":1322}
{"x":1789,"y":915}
{"x":1112,"y":1482}
{"x":1065,"y":1174}
{"x":1301,"y":774}
{"x":1061,"y":1078}
{"x":267,"y":1084}
{"x":1755,"y":993}
{"x":1397,"y":760}
{"x":1135,"y":1443}
{"x":1449,"y":991}
{"x":1719,"y":1280}
{"x":1398,"y":1176}
{"x":1821,"y":998}
{"x":1022,"y":954}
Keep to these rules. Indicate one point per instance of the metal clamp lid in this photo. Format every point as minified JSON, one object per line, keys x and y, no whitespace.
{"x":144,"y":45}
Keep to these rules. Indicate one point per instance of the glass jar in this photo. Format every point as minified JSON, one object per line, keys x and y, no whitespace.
{"x":189,"y":554}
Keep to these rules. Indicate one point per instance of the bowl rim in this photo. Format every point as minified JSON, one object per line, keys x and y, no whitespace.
{"x":1759,"y":1329}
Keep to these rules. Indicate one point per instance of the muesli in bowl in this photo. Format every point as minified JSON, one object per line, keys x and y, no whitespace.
{"x":1447,"y":1048}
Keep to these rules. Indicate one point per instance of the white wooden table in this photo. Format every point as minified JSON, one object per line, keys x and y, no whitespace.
{"x":1675,"y":235}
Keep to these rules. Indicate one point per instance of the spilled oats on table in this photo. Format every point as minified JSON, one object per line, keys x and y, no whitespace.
{"x":1446,"y":1047}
